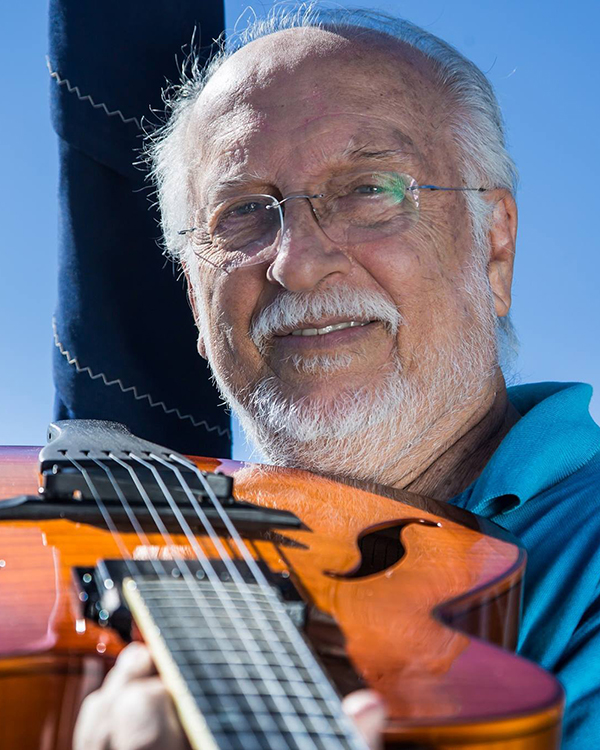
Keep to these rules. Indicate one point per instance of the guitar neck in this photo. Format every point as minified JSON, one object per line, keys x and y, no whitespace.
{"x":239,"y":671}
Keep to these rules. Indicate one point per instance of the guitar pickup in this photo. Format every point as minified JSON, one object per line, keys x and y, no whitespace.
{"x":100,"y":589}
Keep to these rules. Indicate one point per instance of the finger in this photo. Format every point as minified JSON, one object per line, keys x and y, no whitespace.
{"x":367,"y":710}
{"x":95,"y":721}
{"x":92,"y":732}
{"x":133,"y":663}
{"x":145,"y":717}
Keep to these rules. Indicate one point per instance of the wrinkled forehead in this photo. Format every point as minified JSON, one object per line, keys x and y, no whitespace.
{"x":312,"y":58}
{"x":299,"y":78}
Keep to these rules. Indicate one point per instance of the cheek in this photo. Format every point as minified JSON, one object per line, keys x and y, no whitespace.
{"x":229,"y":308}
{"x":443,"y":235}
{"x":410,"y":270}
{"x":422,"y":275}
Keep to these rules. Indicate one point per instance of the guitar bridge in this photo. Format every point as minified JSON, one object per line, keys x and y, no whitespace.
{"x":93,"y":470}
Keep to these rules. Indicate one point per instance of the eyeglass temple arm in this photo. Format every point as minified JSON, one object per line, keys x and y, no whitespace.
{"x":437,"y":187}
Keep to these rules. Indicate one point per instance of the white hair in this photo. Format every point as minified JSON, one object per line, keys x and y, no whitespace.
{"x":475,"y":125}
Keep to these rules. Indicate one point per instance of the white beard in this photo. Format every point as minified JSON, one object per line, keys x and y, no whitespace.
{"x":364,"y":431}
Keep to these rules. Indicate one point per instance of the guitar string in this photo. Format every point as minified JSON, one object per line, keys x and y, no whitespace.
{"x":250,"y":598}
{"x":327,"y":692}
{"x":133,"y":520}
{"x":133,"y":568}
{"x":252,"y":564}
{"x":244,"y":632}
{"x":105,"y":515}
{"x":184,"y":569}
{"x":229,"y":606}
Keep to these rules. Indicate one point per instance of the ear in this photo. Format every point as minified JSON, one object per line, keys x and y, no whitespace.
{"x":200,"y":345}
{"x":502,"y":242}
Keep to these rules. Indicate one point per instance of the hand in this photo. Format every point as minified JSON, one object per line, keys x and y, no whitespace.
{"x":367,"y":710}
{"x":133,"y":710}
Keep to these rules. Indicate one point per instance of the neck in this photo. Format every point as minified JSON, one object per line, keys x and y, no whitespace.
{"x":446,"y":470}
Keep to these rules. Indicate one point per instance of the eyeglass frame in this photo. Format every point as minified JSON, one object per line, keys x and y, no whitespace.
{"x":278,"y":203}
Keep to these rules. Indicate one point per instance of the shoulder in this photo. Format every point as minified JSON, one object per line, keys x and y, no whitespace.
{"x":560,"y":529}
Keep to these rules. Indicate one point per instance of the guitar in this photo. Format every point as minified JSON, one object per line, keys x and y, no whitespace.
{"x":225,"y":569}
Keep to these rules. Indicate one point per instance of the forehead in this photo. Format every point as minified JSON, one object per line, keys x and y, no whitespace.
{"x":307,"y":95}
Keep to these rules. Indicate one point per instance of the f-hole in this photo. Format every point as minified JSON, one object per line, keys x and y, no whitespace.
{"x":380,"y":549}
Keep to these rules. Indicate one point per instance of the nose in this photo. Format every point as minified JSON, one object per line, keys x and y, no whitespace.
{"x":305,"y":255}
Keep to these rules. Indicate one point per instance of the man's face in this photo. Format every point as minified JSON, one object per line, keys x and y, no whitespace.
{"x":293,"y":122}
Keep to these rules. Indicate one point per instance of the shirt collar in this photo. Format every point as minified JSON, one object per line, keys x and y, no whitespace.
{"x":555,"y":437}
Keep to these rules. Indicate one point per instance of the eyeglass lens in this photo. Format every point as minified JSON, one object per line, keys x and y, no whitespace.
{"x":356,"y":209}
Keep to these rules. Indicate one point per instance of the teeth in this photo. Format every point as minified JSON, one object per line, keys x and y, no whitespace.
{"x":306,"y":332}
{"x":329,"y":329}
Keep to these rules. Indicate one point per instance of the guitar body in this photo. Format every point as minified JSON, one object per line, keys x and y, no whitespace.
{"x":414,"y":598}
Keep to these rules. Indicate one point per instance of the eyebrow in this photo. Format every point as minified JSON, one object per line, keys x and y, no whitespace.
{"x":241,"y":180}
{"x":352,"y":153}
{"x":366,"y":151}
{"x":378,"y":155}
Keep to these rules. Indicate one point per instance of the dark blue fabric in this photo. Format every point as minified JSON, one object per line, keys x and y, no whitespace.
{"x":124,"y":334}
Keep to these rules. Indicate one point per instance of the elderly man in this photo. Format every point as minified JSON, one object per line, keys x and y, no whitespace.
{"x":340,"y":198}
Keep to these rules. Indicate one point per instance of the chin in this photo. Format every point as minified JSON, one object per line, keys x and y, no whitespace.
{"x":330,"y":394}
{"x":354,"y":430}
{"x":365,"y":425}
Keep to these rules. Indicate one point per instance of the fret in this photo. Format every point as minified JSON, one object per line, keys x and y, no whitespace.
{"x":188,"y":617}
{"x":262,"y":723}
{"x":260,"y":602}
{"x":247,"y":673}
{"x":266,"y":688}
{"x":208,"y":661}
{"x":233,"y":613}
{"x":270,"y":698}
{"x":291,"y":740}
{"x":156,"y":591}
{"x":213,"y":664}
{"x":244,"y":666}
{"x":268,"y":684}
{"x":231,"y":620}
{"x":239,"y":656}
{"x":236,"y":648}
{"x":258,"y":703}
{"x":221,"y":650}
{"x":245,"y":700}
{"x":180,"y":626}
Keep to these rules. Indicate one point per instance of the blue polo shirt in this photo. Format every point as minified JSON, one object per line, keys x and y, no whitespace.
{"x":543,"y":485}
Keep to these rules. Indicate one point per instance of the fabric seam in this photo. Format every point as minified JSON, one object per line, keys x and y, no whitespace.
{"x":86,"y":97}
{"x":222,"y":431}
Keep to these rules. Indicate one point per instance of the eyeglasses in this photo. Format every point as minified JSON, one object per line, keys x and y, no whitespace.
{"x":357,"y":209}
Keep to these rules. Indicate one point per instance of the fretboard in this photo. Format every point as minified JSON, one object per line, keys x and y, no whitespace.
{"x":241,"y":674}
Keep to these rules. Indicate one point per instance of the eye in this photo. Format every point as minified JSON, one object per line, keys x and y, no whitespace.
{"x":369,"y":189}
{"x":247,"y":209}
{"x":244,"y":209}
{"x":385,"y":185}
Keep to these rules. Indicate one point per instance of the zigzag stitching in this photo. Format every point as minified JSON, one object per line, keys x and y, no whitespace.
{"x":75,"y":90}
{"x":132,"y":389}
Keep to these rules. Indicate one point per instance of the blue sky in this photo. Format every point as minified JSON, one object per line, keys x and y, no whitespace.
{"x":542,"y":59}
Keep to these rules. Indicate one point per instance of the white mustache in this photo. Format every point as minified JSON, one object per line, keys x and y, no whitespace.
{"x":294,"y":309}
